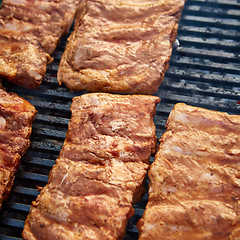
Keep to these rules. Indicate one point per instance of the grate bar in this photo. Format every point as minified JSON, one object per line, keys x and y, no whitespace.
{"x":51,"y":106}
{"x":200,"y":101}
{"x":12,"y":223}
{"x":51,"y":94}
{"x":210,"y":32}
{"x":49,"y":133}
{"x":45,"y":147}
{"x":191,"y":74}
{"x":202,"y":88}
{"x":214,"y":22}
{"x":26,"y":191}
{"x":199,"y":10}
{"x":217,"y":56}
{"x":19,"y":207}
{"x":205,"y":65}
{"x":40,"y":118}
{"x":42,"y":162}
{"x":33,"y":176}
{"x":8,"y":238}
{"x":217,"y":3}
{"x":210,"y":43}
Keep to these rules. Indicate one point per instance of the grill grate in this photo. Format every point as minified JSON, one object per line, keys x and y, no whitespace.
{"x":204,"y":71}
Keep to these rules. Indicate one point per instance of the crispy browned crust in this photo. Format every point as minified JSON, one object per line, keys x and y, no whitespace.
{"x":120,"y":46}
{"x":100,"y":170}
{"x":22,"y":63}
{"x":16,"y":116}
{"x":46,"y":21}
{"x":195,"y":186}
{"x":29,"y":32}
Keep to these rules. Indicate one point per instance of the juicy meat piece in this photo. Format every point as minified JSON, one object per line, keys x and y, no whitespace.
{"x":16,"y":115}
{"x":22,"y":63}
{"x":100,"y":170}
{"x":195,"y":179}
{"x":120,"y":46}
{"x":45,"y":20}
{"x":29,"y":32}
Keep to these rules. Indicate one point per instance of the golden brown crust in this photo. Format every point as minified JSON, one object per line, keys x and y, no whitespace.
{"x":100,"y":170}
{"x":44,"y":20}
{"x":16,"y":116}
{"x":120,"y":46}
{"x":195,"y":188}
{"x":22,"y":63}
{"x":29,"y":32}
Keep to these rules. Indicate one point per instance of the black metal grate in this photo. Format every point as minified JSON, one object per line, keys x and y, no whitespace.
{"x":204,"y":71}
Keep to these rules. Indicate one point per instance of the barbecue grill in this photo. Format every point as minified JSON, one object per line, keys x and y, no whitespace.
{"x":204,"y":71}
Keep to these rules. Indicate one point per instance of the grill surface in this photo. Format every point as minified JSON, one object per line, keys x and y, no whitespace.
{"x":204,"y":71}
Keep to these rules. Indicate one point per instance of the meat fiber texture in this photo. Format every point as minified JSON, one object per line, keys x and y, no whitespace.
{"x":120,"y":46}
{"x":29,"y":31}
{"x":100,"y":170}
{"x":195,"y":178}
{"x":16,"y":116}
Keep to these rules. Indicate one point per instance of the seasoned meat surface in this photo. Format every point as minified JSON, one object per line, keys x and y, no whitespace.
{"x":22,"y":63}
{"x":45,"y":20}
{"x":29,"y":32}
{"x":16,"y":116}
{"x":100,"y":170}
{"x":195,"y":182}
{"x":120,"y":46}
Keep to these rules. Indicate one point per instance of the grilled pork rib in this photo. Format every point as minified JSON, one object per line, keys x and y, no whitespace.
{"x":16,"y":115}
{"x":194,"y":180}
{"x":100,"y":170}
{"x":120,"y":46}
{"x":29,"y":32}
{"x":22,"y":63}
